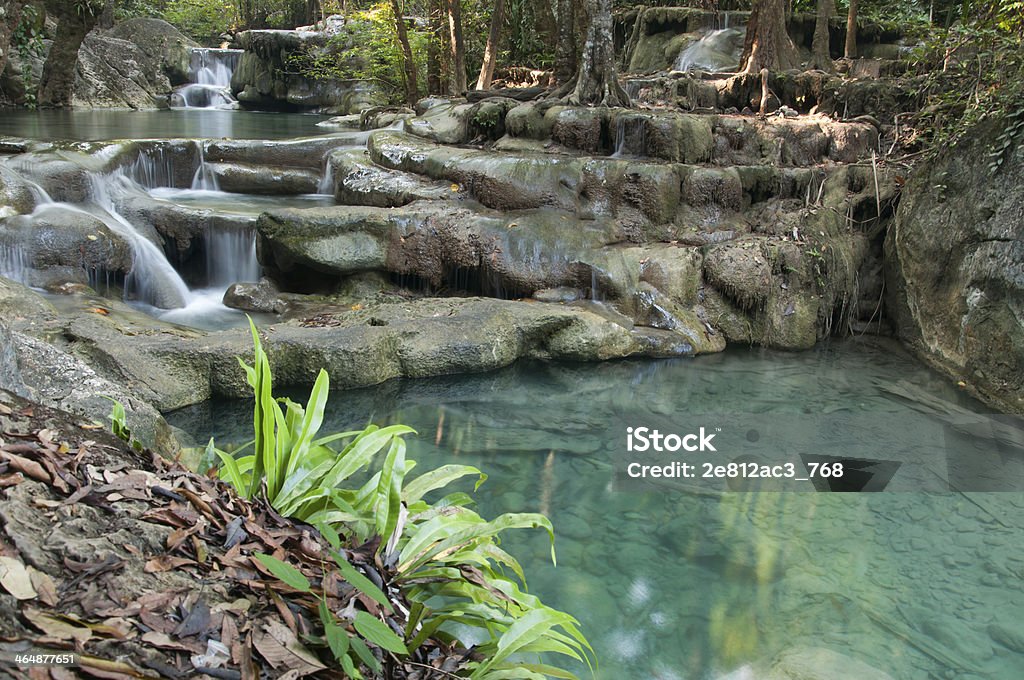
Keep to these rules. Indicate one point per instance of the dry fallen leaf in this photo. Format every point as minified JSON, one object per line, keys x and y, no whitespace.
{"x":279,"y":646}
{"x":44,"y":586}
{"x":15,"y":579}
{"x":166,"y":563}
{"x":58,"y":628}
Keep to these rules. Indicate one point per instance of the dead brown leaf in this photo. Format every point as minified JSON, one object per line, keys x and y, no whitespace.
{"x":29,"y":467}
{"x":15,"y":579}
{"x":44,"y":586}
{"x":58,"y":628}
{"x":281,"y":649}
{"x":167,"y":563}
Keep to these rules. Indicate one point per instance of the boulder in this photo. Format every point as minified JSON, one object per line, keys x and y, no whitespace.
{"x":52,"y":375}
{"x":164,"y":49}
{"x":265,"y":79}
{"x":65,"y":245}
{"x":358,"y":181}
{"x":255,"y":297}
{"x":955,"y":266}
{"x":15,"y":195}
{"x":134,"y":65}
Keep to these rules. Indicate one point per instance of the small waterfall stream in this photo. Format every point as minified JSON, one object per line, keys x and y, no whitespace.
{"x":717,"y":50}
{"x":152,"y":282}
{"x":205,"y":178}
{"x":211,"y":71}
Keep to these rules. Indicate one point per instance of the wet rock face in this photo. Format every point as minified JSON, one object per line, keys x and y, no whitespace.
{"x":133,"y":65}
{"x":265,"y":80}
{"x":955,"y":267}
{"x":55,"y":376}
{"x":66,"y":246}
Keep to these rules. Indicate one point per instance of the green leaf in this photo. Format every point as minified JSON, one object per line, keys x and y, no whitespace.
{"x":360,"y":452}
{"x":350,"y":668}
{"x":229,"y":470}
{"x":284,"y":572}
{"x":376,"y":631}
{"x":364,"y":654}
{"x":439,"y":478}
{"x":337,"y":638}
{"x":360,"y":582}
{"x":530,"y":628}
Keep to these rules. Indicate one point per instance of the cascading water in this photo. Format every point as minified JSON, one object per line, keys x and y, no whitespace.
{"x":205,"y":178}
{"x":326,"y":185}
{"x":231,"y":257}
{"x":14,"y":262}
{"x":718,"y":49}
{"x":211,"y":71}
{"x":152,"y":280}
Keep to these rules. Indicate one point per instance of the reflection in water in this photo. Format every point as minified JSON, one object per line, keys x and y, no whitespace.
{"x":705,"y":583}
{"x":205,"y":123}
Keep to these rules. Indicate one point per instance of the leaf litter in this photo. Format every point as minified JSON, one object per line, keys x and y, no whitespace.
{"x":148,"y":570}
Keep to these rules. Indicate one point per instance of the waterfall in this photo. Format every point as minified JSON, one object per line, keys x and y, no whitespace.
{"x":153,"y":279}
{"x":326,"y":185}
{"x":630,"y":132}
{"x":717,"y":50}
{"x":620,"y":137}
{"x":231,"y":256}
{"x":210,"y":71}
{"x":205,"y":178}
{"x":152,"y":168}
{"x":14,"y":263}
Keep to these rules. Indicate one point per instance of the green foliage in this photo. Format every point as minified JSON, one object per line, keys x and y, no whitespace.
{"x":27,"y":40}
{"x":443,"y":557}
{"x":367,"y":50}
{"x":119,"y":425}
{"x":202,"y":20}
{"x":524,"y":46}
{"x":131,"y":9}
{"x":972,"y":72}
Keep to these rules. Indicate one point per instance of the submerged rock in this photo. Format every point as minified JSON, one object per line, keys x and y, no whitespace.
{"x":820,"y":663}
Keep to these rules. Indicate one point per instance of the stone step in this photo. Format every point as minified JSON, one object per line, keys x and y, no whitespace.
{"x":692,"y":138}
{"x":642,"y":193}
{"x":862,"y":93}
{"x":357,"y":180}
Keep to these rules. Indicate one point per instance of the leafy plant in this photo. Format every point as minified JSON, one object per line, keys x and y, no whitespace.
{"x":119,"y":425}
{"x":27,"y":40}
{"x":442,"y":557}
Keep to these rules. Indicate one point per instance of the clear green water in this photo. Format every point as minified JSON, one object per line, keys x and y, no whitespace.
{"x":89,"y":125}
{"x":701,"y":583}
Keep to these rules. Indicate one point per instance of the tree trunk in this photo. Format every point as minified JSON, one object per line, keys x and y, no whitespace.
{"x":491,"y":51}
{"x":598,"y":82}
{"x":76,"y":19}
{"x":544,"y":23}
{"x":767,"y":43}
{"x":434,"y":50}
{"x":411,"y":86}
{"x":851,"y":32}
{"x":458,"y":47}
{"x":565,"y":50}
{"x":822,"y":57}
{"x":8,"y":22}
